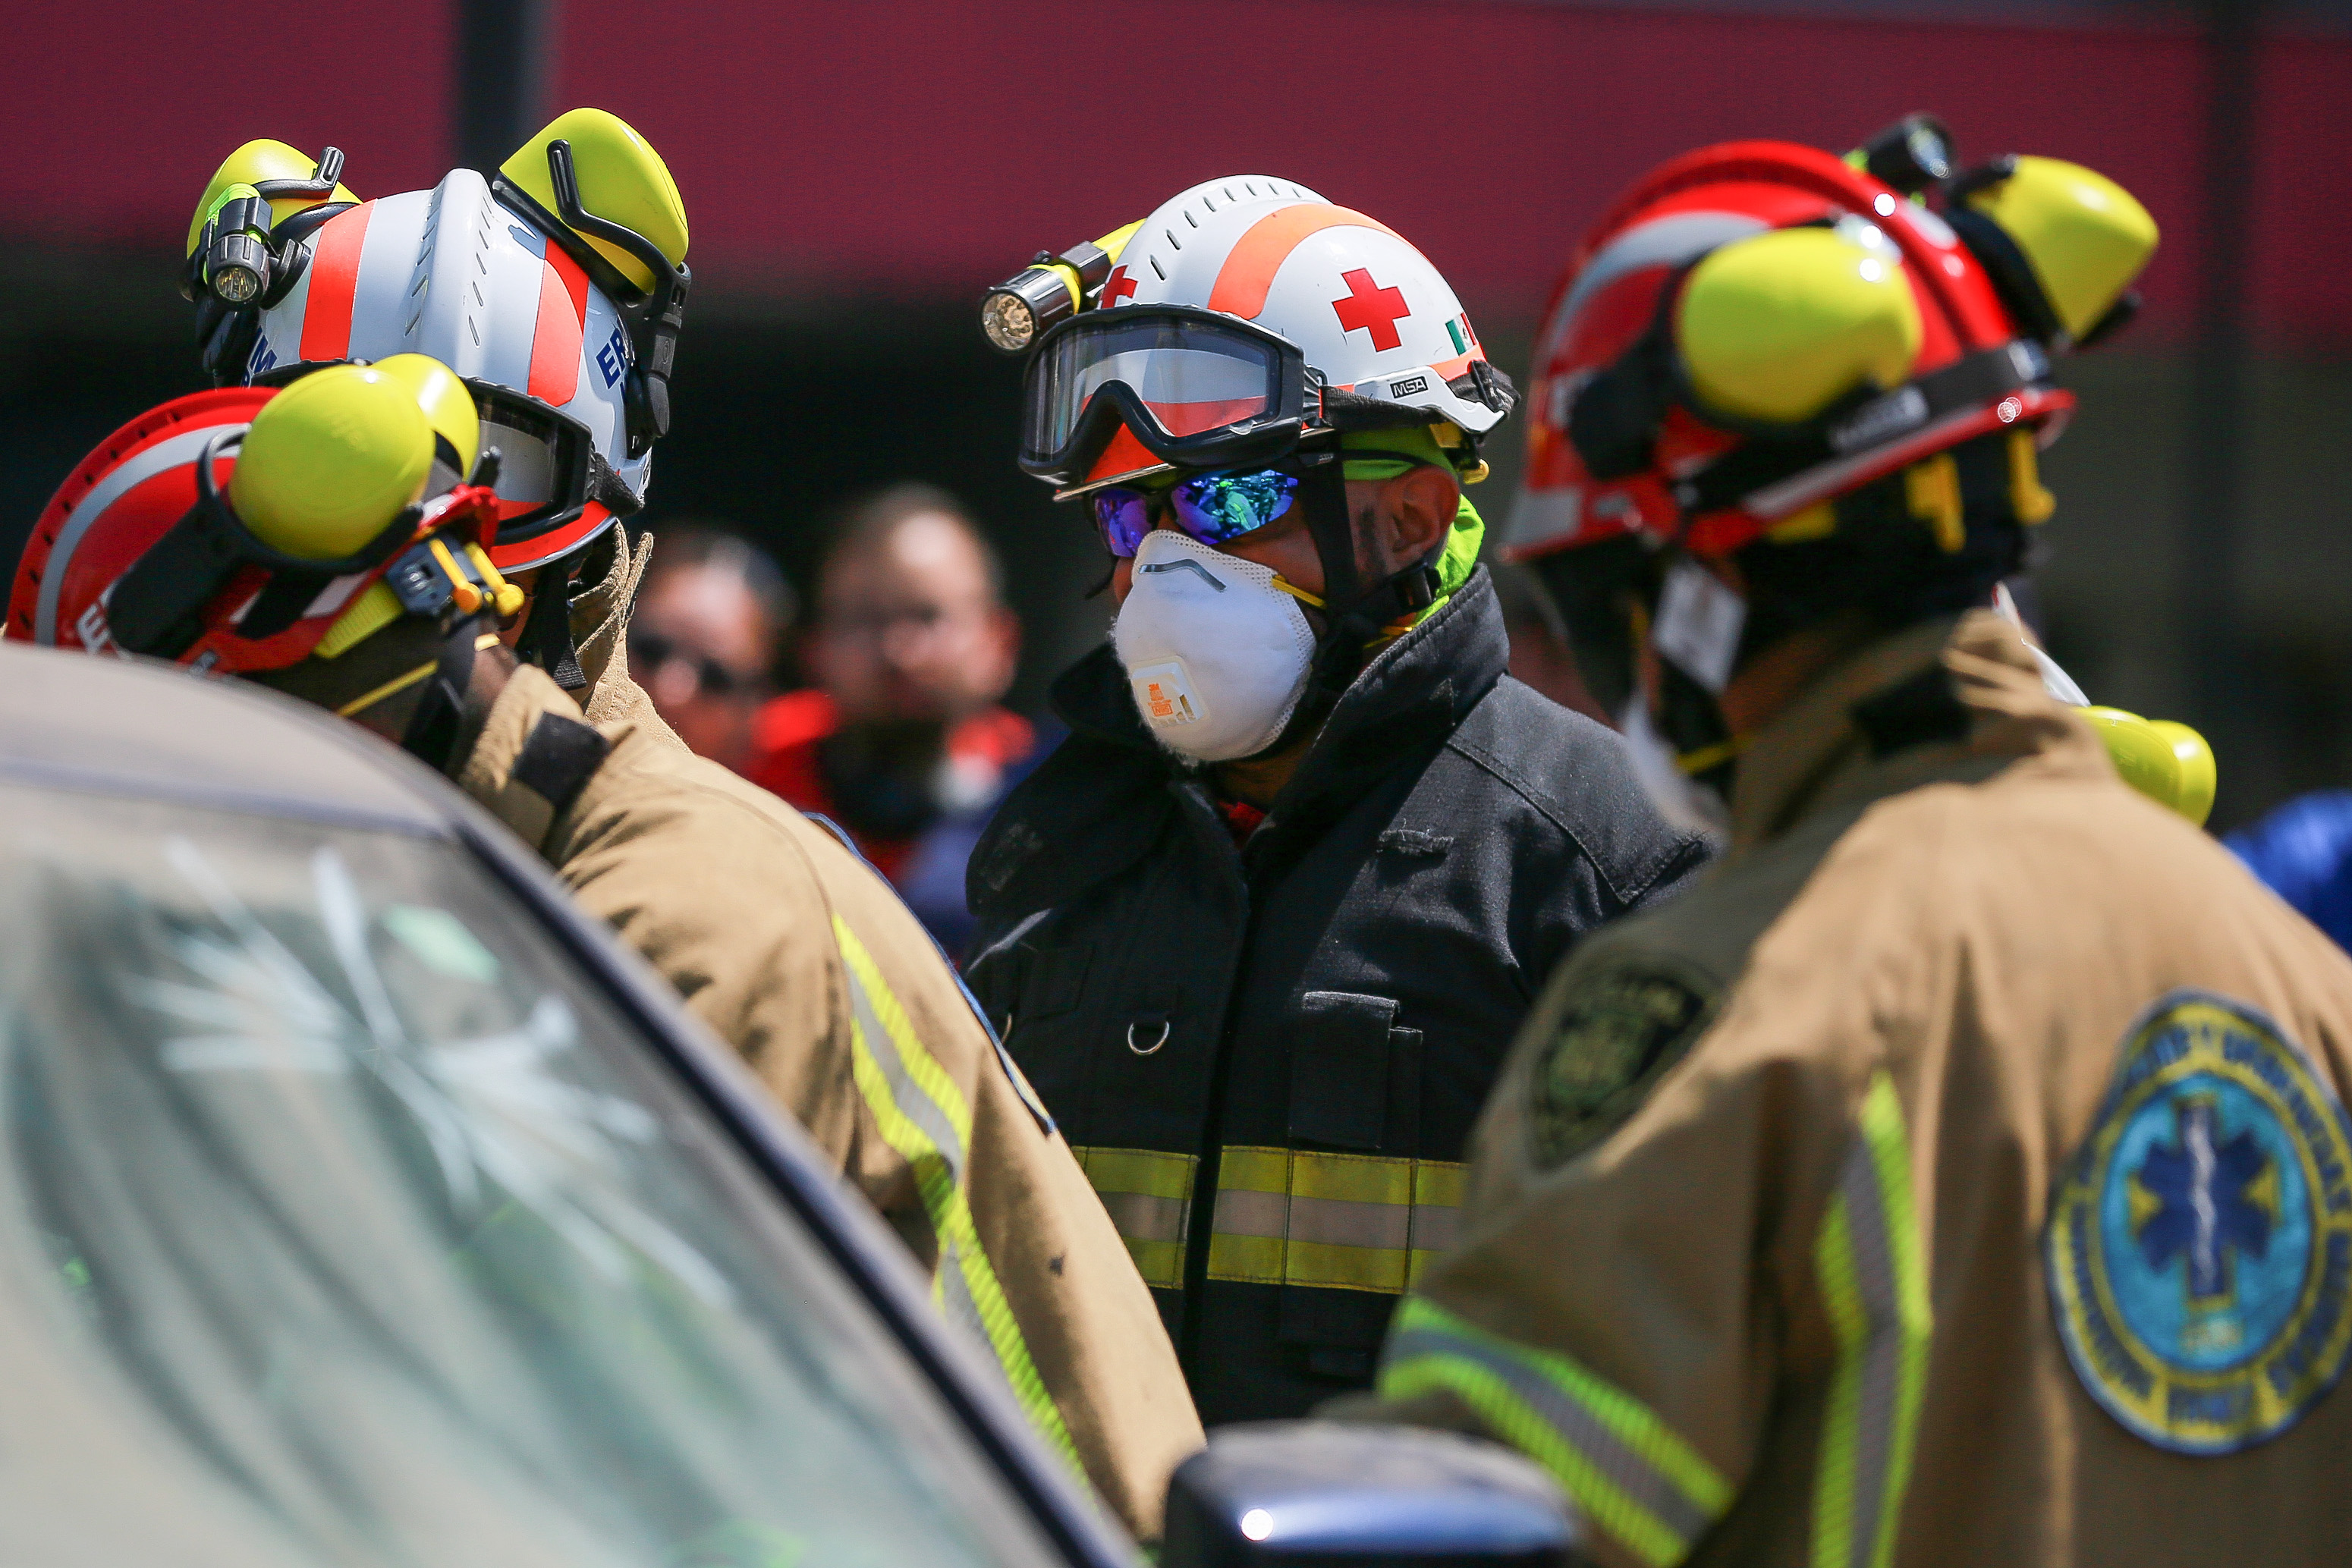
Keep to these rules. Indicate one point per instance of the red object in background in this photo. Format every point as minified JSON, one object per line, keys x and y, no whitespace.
{"x":784,"y":760}
{"x":125,"y":109}
{"x":925,"y":149}
{"x":943,"y":150}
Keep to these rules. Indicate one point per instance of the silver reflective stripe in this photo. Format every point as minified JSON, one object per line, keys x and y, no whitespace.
{"x":182,"y":448}
{"x":1882,"y":1349}
{"x":955,"y":1295}
{"x":1340,"y":1222}
{"x":1598,"y":1447}
{"x":912,"y":1102}
{"x":1139,"y":1216}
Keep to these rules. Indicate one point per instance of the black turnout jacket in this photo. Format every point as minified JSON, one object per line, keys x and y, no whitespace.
{"x":1268,"y":1057}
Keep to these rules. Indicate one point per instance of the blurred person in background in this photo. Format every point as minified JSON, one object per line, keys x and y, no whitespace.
{"x":1541,"y":654}
{"x":1957,"y":1172}
{"x":711,"y":612}
{"x":902,"y":739}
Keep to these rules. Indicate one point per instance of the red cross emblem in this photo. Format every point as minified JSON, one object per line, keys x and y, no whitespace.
{"x":1119,"y":285}
{"x":1376,"y":310}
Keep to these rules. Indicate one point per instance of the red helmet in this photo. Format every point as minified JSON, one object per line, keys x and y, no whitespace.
{"x":139,"y":551}
{"x":1619,"y":443}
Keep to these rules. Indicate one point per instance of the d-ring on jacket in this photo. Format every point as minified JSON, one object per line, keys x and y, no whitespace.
{"x":1268,"y":1058}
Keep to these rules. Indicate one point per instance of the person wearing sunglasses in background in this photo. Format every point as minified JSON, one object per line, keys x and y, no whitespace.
{"x":775,"y":934}
{"x":710,"y":614}
{"x":1260,"y":930}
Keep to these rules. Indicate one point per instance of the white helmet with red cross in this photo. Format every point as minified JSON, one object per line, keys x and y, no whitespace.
{"x":1343,"y":325}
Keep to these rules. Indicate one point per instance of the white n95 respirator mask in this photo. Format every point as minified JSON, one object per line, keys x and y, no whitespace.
{"x":1216,"y":655}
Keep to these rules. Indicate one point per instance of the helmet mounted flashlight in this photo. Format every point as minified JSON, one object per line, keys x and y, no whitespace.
{"x":1909,"y":156}
{"x":242,"y":257}
{"x":1018,"y":311}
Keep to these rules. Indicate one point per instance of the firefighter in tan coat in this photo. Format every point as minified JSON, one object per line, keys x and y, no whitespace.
{"x":1958,"y":1173}
{"x":782,"y":941}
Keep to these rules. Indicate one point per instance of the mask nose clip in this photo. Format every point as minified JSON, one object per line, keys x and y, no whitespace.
{"x":1194,"y":567}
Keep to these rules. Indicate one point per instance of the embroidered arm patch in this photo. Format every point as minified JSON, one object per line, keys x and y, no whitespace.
{"x":1623,"y":1023}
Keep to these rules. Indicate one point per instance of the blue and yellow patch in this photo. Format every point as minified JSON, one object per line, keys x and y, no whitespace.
{"x":2200,"y":1244}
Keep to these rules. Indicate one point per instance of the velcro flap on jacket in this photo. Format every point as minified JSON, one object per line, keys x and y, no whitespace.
{"x":1339,"y":1070}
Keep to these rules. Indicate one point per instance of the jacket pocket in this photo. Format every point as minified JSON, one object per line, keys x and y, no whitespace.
{"x":1354,"y":1075}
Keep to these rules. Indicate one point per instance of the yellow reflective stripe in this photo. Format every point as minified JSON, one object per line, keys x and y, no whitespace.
{"x":925,"y":1118}
{"x":1351,"y":1222}
{"x":1630,"y":1473}
{"x":1149,"y":1194}
{"x":1873,"y":1288}
{"x":1153,"y":1173}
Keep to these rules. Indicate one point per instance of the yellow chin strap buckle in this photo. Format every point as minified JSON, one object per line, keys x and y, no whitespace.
{"x":2166,"y":761}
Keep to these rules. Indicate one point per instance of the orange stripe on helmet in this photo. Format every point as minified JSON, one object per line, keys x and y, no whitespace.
{"x":1249,"y":269}
{"x":334,"y":282}
{"x":555,"y":335}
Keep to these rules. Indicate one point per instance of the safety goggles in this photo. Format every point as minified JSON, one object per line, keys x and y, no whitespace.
{"x":549,"y":468}
{"x":1196,"y":388}
{"x":1213,"y":508}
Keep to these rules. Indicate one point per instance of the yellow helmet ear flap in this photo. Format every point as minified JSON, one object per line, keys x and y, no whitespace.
{"x":2168,"y":762}
{"x":2200,"y":777}
{"x":330,"y":462}
{"x":2084,"y":237}
{"x":250,"y":165}
{"x":622,"y":179}
{"x":448,"y":407}
{"x":1780,"y":326}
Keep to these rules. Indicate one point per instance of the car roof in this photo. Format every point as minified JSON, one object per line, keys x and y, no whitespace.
{"x":134,"y":726}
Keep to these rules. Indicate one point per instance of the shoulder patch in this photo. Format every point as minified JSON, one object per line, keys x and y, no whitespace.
{"x":1622,"y":1024}
{"x":2199,"y":1245}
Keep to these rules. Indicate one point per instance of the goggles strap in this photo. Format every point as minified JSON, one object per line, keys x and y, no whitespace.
{"x":546,"y":638}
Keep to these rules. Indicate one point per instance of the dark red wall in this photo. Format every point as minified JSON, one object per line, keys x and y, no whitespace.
{"x":927,"y":146}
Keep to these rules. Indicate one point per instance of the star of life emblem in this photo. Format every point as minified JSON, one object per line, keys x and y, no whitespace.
{"x":2200,"y":1243}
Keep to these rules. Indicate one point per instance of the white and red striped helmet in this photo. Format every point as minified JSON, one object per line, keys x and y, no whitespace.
{"x":454,"y":274}
{"x":1370,"y":315}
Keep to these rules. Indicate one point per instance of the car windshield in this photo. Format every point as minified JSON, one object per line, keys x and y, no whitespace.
{"x":343,"y":1222}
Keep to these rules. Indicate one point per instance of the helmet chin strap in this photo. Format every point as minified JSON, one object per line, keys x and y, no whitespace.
{"x":431,"y":736}
{"x":1354,"y":613}
{"x":546,"y":639}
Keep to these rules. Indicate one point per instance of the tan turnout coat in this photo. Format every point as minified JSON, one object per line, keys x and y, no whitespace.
{"x":1954,"y":1176}
{"x":796,"y":952}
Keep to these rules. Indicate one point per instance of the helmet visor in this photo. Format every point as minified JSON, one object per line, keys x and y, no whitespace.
{"x":1192,"y":386}
{"x":543,"y":468}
